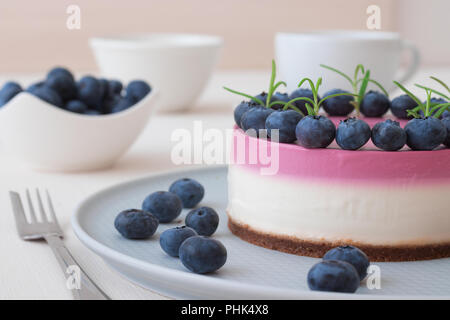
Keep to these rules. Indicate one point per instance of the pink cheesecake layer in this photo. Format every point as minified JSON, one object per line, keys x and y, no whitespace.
{"x":369,"y":165}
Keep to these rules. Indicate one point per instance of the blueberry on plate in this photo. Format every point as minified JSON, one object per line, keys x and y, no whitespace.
{"x":285,"y":121}
{"x":121,"y":104}
{"x":352,"y":134}
{"x":9,"y":91}
{"x":425,"y":133}
{"x":338,"y":106}
{"x":388,"y":135}
{"x":315,"y":132}
{"x":255,"y":119}
{"x":60,"y":71}
{"x":352,"y":255}
{"x":300,"y":104}
{"x":90,"y":91}
{"x":333,"y":275}
{"x":63,"y":84}
{"x":190,"y":191}
{"x":374,"y":104}
{"x":35,"y":85}
{"x":171,"y":239}
{"x":114,"y":87}
{"x":137,"y":90}
{"x":47,"y":94}
{"x":76,"y":106}
{"x":278,"y":96}
{"x":242,"y":108}
{"x":165,"y":206}
{"x":401,"y":104}
{"x":92,"y":112}
{"x":446,"y":123}
{"x":136,"y":224}
{"x":204,"y":220}
{"x":202,"y":254}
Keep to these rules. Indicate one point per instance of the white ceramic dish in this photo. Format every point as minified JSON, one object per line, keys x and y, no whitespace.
{"x":178,"y":64}
{"x":52,"y":139}
{"x":251,"y":272}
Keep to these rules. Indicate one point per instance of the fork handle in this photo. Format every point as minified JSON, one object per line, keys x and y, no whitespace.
{"x":82,"y":287}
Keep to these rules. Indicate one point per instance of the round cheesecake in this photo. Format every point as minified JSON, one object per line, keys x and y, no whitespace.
{"x":395,"y":206}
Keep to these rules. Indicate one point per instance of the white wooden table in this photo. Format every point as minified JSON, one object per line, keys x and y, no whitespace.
{"x":28,"y":270}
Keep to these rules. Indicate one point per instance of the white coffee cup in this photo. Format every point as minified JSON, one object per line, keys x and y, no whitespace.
{"x":299,"y":55}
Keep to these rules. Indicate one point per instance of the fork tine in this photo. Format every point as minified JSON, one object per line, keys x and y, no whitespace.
{"x":50,"y":206}
{"x":41,"y":207}
{"x":30,"y":205}
{"x":19,"y":212}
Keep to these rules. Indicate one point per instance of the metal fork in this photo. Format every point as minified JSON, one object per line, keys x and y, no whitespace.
{"x":82,"y":287}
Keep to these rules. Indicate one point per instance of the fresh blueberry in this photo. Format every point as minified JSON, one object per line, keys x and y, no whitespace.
{"x":63,"y":84}
{"x":110,"y":102}
{"x":47,"y":94}
{"x":59,"y":71}
{"x":333,"y":275}
{"x":242,"y":108}
{"x":388,"y":135}
{"x":401,"y":104}
{"x":164,"y":205}
{"x":338,"y":106}
{"x":90,"y":91}
{"x":425,"y":133}
{"x":137,"y":90}
{"x":202,"y":254}
{"x":76,"y":106}
{"x":306,"y":93}
{"x":171,"y":239}
{"x":446,"y":114}
{"x":446,"y":122}
{"x":34,"y":86}
{"x":255,"y":118}
{"x":374,"y":104}
{"x":262,"y":96}
{"x":315,"y":132}
{"x":190,"y":191}
{"x":136,"y":224}
{"x":104,"y":83}
{"x":204,"y":220}
{"x":115,"y":87}
{"x":92,"y":112}
{"x":434,"y":102}
{"x":9,"y":91}
{"x":352,"y":134}
{"x":352,"y":255}
{"x":278,"y":96}
{"x":123,"y":103}
{"x":286,"y":122}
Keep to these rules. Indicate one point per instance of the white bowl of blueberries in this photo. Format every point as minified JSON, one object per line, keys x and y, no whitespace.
{"x":60,"y":124}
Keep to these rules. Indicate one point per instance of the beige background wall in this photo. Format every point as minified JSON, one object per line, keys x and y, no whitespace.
{"x":33,"y":34}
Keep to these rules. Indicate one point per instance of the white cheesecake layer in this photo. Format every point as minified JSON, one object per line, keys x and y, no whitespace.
{"x":312,"y":210}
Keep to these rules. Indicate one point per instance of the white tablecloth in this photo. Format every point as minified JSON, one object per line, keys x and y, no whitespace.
{"x":28,"y":270}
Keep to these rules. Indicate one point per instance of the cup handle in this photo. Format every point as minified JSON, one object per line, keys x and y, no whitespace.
{"x":414,"y":65}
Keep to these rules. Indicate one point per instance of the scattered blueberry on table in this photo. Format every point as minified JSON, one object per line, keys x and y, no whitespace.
{"x":333,"y":275}
{"x":190,"y":191}
{"x":171,"y":239}
{"x":204,"y":220}
{"x":136,"y":224}
{"x":202,"y":254}
{"x":352,"y":255}
{"x":89,"y":95}
{"x":165,"y":206}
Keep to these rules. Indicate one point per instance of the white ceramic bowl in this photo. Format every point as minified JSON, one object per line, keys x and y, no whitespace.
{"x":52,"y":139}
{"x":179,"y":65}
